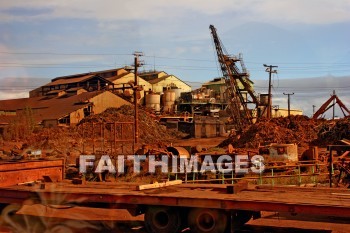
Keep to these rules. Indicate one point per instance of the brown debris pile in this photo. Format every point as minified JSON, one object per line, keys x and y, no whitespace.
{"x":56,"y":141}
{"x":69,"y":141}
{"x":333,"y":131}
{"x":150,"y":131}
{"x":63,"y":141}
{"x":296,"y":129}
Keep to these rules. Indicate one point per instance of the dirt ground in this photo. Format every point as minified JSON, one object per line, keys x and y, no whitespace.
{"x":39,"y":218}
{"x":204,"y":142}
{"x":80,"y":219}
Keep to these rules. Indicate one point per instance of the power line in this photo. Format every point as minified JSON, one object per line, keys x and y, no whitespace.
{"x":301,"y":68}
{"x":101,"y":54}
{"x":67,"y":54}
{"x":167,"y":57}
{"x":303,"y":63}
{"x":184,"y":67}
{"x":301,"y":88}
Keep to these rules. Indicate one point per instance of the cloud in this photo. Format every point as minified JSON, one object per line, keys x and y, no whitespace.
{"x":308,"y":92}
{"x":4,"y":95}
{"x":296,"y":11}
{"x":300,"y":11}
{"x":6,"y":58}
{"x":173,"y":29}
{"x":13,"y":87}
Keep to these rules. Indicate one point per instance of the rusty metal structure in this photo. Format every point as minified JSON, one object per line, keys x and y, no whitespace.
{"x":201,"y":207}
{"x":327,"y":105}
{"x":340,"y":163}
{"x":108,"y":137}
{"x":240,"y":92}
{"x":26,"y":171}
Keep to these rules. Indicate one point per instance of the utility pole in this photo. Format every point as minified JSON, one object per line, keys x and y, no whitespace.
{"x":333,"y":105}
{"x":289,"y":94}
{"x":269,"y":68}
{"x":136,"y":89}
{"x":313,"y":110}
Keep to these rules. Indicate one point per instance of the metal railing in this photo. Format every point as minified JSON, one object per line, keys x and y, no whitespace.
{"x":270,"y":175}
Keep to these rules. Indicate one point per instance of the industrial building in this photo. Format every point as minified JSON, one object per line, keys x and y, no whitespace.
{"x":59,"y":107}
{"x":283,"y":112}
{"x":119,"y":81}
{"x":161,"y":81}
{"x":115,"y":80}
{"x":66,"y":100}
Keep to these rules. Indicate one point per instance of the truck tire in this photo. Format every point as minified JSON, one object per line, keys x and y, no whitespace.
{"x":239,"y":218}
{"x":2,"y":207}
{"x":162,"y":219}
{"x":207,"y":220}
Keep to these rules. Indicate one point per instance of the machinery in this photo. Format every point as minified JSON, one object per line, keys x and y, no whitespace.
{"x":240,"y":91}
{"x":327,"y":105}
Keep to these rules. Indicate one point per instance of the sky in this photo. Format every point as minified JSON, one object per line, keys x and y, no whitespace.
{"x":307,"y":39}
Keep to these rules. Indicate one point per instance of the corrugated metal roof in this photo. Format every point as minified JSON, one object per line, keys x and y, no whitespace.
{"x":70,"y":80}
{"x":62,"y":106}
{"x":14,"y":104}
{"x":113,"y":78}
{"x":55,"y":92}
{"x":215,"y":82}
{"x":5,"y":119}
{"x":152,"y":75}
{"x":157,"y":80}
{"x":73,"y":89}
{"x":147,"y":73}
{"x":90,"y":73}
{"x":44,"y":107}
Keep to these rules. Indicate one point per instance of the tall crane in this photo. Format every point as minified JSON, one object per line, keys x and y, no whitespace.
{"x":240,"y":91}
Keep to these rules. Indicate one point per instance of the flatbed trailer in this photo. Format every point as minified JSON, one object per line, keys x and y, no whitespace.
{"x":202,"y":207}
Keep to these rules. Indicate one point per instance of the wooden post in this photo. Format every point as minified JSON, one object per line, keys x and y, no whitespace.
{"x":115,"y":137}
{"x":270,"y":70}
{"x":101,"y":136}
{"x":83,"y":138}
{"x":93,"y":138}
{"x":330,"y":166}
{"x":111,"y":136}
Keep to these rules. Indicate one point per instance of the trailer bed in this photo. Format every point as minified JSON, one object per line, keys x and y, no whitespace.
{"x":320,"y":201}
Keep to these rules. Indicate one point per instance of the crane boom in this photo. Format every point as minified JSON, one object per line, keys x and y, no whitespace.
{"x":326,"y":105}
{"x":239,"y":111}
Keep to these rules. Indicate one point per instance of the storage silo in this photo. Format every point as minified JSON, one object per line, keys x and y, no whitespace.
{"x":168,"y":100}
{"x":153,"y":102}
